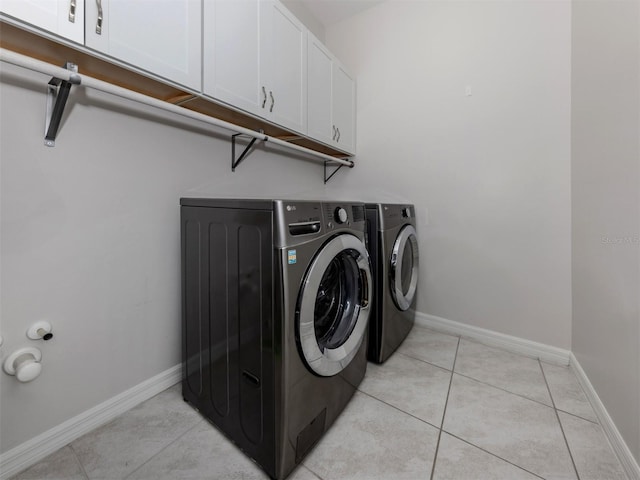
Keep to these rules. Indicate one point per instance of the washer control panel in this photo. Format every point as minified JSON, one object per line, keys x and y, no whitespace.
{"x":302,"y":219}
{"x":340,"y":215}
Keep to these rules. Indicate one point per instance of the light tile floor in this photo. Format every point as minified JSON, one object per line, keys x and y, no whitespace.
{"x":440,"y":408}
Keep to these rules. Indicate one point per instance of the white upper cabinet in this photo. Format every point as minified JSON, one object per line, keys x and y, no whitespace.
{"x":255,"y":59}
{"x":162,"y":37}
{"x":231,"y":53}
{"x":331,"y":99}
{"x":344,"y":108}
{"x":61,"y":17}
{"x":284,"y":66}
{"x":320,"y":116}
{"x":252,"y":55}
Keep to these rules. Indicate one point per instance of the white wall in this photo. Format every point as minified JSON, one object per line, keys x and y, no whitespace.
{"x":303,"y":14}
{"x":491,"y":171}
{"x":90,"y":241}
{"x":606,"y":205}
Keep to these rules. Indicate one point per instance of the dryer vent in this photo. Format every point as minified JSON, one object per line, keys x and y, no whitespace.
{"x":310,"y":434}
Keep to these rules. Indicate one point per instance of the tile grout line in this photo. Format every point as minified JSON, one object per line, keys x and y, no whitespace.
{"x":320,"y":477}
{"x":373,"y":397}
{"x":555,"y":410}
{"x":588,"y":402}
{"x":161,"y":450}
{"x":492,"y":454}
{"x":444,"y":412}
{"x":578,"y":416}
{"x":505,"y":390}
{"x":423,"y":361}
{"x":84,"y":472}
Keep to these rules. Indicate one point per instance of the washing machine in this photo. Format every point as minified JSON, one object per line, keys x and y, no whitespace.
{"x":393,"y":246}
{"x":276,"y":302}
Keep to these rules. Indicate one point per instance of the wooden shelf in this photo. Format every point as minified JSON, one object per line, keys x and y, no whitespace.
{"x":57,"y":53}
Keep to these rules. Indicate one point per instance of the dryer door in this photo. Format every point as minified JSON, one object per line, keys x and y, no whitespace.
{"x":333,"y":305}
{"x":404,"y":267}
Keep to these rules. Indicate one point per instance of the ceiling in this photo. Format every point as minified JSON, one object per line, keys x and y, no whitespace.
{"x":329,"y":12}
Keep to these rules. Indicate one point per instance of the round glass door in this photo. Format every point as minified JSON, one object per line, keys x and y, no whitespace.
{"x":404,"y":267}
{"x":333,"y":306}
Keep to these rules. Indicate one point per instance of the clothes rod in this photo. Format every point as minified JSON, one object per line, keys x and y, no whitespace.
{"x":30,"y":63}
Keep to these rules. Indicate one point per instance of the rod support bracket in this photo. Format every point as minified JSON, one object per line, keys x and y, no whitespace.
{"x":329,"y":163}
{"x":57,"y":96}
{"x":235,"y":162}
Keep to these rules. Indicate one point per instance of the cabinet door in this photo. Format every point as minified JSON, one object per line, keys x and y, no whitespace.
{"x":161,"y":37}
{"x":62,"y":17}
{"x":344,"y":109}
{"x":284,"y":66}
{"x":319,"y":96}
{"x":231,"y":60}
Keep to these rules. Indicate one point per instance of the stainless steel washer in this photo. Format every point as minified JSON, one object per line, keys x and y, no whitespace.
{"x":276,"y":302}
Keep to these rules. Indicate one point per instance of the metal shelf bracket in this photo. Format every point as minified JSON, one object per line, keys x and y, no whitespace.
{"x":57,"y":95}
{"x":235,"y":162}
{"x":328,"y":163}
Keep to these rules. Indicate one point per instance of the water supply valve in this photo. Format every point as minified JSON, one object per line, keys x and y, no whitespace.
{"x":40,"y":330}
{"x":24,"y":363}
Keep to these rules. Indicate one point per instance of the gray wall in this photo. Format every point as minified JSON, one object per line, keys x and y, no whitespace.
{"x":606,"y":205}
{"x":306,"y":17}
{"x":90,"y":241}
{"x":489,"y":173}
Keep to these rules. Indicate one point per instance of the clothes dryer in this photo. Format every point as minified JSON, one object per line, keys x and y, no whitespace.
{"x":393,"y":246}
{"x":276,"y":301}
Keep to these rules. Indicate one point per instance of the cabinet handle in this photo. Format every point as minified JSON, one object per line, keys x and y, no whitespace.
{"x":338,"y":131}
{"x":99,"y":22}
{"x":334,"y":132}
{"x":273,"y":100}
{"x":72,"y":11}
{"x":264,"y":99}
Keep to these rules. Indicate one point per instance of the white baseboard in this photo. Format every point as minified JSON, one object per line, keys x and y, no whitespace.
{"x":34,"y":450}
{"x":546,"y":353}
{"x":618,"y":444}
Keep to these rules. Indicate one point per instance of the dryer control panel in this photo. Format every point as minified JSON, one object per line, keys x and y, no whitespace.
{"x":392,"y":215}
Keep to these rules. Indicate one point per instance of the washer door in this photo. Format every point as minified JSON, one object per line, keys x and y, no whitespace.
{"x":333,"y":305}
{"x":404,"y":267}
